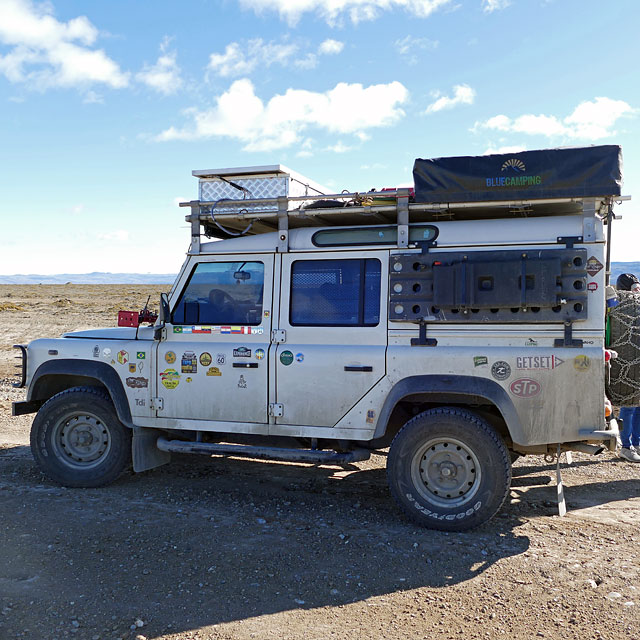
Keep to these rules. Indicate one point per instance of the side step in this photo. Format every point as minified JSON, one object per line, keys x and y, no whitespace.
{"x":264,"y":453}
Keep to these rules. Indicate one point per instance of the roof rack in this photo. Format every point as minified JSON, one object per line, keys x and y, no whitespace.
{"x":292,"y":201}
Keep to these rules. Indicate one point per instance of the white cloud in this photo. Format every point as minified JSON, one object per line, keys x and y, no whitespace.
{"x":590,"y":120}
{"x":281,"y":122}
{"x":408,"y":46}
{"x":330,"y":47}
{"x":507,"y":149}
{"x":120,"y":236}
{"x":334,"y":11}
{"x":462,"y":94}
{"x":339,"y":147}
{"x":489,"y":6}
{"x":91,"y":97}
{"x":44,"y":52}
{"x":164,"y":75}
{"x":241,"y":60}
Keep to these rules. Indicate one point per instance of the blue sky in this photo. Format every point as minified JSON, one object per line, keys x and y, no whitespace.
{"x":108,"y":106}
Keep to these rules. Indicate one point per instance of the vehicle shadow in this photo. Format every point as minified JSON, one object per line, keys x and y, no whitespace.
{"x":204,"y":542}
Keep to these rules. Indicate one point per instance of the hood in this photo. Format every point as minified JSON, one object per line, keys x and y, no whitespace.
{"x":113,"y":333}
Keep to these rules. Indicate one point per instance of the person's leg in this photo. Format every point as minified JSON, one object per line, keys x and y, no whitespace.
{"x":635,"y":429}
{"x":626,"y":415}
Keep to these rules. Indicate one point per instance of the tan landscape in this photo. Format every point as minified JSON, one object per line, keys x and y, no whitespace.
{"x":238,"y":549}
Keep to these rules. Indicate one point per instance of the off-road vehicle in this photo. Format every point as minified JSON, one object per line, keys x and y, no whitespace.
{"x":460,"y":324}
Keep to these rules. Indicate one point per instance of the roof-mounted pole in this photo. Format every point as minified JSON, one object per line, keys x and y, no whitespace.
{"x":403,"y":218}
{"x":283,"y":224}
{"x":195,"y":227}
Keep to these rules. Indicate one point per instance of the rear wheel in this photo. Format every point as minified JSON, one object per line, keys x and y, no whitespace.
{"x":448,"y":469}
{"x":77,"y":439}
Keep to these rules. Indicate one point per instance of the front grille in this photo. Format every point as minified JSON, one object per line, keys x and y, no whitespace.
{"x":22,"y":367}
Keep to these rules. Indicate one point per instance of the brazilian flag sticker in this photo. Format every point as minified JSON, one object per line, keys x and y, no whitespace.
{"x":177,"y":329}
{"x":141,"y":355}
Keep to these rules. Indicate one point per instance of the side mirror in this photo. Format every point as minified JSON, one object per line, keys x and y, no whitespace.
{"x":164,"y":315}
{"x":165,"y":312}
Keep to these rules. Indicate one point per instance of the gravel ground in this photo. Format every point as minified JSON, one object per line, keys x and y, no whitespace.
{"x":230,"y":548}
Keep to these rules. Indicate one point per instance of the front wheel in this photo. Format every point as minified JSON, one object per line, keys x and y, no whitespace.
{"x":77,"y":439}
{"x":448,"y":469}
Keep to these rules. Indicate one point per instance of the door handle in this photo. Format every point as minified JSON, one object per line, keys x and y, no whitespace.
{"x":365,"y":367}
{"x":245,"y":365}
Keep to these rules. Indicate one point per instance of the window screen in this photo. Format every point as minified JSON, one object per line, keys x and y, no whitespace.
{"x":340,"y":293}
{"x":222,"y":293}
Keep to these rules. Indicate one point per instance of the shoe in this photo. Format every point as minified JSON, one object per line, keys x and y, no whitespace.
{"x":629,"y":454}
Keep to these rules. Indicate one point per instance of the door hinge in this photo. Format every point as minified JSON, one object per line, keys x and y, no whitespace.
{"x":278,"y":336}
{"x":157,"y":404}
{"x":276,"y":409}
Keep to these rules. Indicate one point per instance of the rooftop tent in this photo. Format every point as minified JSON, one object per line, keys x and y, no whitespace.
{"x":573,"y":172}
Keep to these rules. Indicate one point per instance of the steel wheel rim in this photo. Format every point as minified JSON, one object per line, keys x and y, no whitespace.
{"x":81,"y":440}
{"x":446,"y":472}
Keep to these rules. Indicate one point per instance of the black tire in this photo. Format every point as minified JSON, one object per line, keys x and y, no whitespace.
{"x":78,"y":441}
{"x":448,"y":469}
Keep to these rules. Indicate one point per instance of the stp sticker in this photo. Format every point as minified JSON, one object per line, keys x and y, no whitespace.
{"x":500,"y":370}
{"x":592,"y":286}
{"x":525,"y":388}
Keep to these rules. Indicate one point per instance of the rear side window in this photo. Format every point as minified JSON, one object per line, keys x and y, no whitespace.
{"x":222,"y":293}
{"x":335,"y":293}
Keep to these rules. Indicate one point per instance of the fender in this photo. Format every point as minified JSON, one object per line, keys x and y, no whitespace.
{"x":436,"y":386}
{"x":83,"y":372}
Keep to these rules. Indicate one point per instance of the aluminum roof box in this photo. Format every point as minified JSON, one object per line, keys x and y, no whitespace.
{"x":252,"y":183}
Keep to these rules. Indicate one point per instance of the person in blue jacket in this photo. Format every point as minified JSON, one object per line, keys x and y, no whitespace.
{"x":630,"y":416}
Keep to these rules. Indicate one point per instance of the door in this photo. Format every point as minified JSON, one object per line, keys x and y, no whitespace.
{"x":334,"y":313}
{"x":213,"y":364}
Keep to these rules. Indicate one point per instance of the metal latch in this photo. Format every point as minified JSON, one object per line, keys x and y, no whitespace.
{"x":278,"y":336}
{"x":157,"y":404}
{"x":276,"y":409}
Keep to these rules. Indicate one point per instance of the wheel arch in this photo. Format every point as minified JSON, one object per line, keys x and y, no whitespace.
{"x":439,"y":390}
{"x":55,"y":376}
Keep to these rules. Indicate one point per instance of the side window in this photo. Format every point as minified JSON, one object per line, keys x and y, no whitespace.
{"x":340,"y":293}
{"x":222,"y":293}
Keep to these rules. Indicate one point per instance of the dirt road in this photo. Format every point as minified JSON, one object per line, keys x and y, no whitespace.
{"x":241,"y":549}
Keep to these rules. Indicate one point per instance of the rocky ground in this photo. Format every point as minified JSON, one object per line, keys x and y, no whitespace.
{"x":237,"y":549}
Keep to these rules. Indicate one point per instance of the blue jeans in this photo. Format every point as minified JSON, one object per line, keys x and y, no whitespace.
{"x":630,"y":434}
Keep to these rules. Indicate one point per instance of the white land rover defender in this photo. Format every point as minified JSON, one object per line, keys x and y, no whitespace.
{"x":460,"y":325}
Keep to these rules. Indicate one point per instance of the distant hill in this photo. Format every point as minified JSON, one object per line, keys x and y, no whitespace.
{"x":97,"y":277}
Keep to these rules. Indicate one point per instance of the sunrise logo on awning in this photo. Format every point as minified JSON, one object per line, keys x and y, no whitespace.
{"x":514,"y":166}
